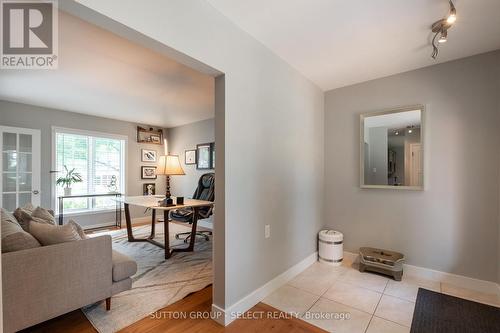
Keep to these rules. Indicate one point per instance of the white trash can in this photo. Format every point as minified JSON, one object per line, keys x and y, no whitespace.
{"x":331,"y":248}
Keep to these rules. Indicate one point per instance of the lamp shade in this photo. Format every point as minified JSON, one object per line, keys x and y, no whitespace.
{"x":169,"y":165}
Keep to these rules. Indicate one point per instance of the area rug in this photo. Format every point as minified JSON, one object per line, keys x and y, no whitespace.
{"x":158,"y":282}
{"x":440,"y":313}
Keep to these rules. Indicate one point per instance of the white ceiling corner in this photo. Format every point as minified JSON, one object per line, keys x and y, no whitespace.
{"x":337,"y":43}
{"x":104,"y":75}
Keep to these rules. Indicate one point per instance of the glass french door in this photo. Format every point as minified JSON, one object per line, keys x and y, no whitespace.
{"x":20,"y":161}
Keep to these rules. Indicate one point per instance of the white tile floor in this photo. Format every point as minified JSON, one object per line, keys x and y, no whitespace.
{"x":373,"y":303}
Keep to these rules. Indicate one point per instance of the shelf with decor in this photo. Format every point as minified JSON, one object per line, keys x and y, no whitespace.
{"x":150,"y":135}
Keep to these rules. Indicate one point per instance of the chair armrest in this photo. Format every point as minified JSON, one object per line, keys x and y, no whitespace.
{"x":45,"y":282}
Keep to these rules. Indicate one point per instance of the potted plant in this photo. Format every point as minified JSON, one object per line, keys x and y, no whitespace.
{"x":70,"y":178}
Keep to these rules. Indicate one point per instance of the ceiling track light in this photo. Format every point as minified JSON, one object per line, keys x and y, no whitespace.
{"x":440,"y":28}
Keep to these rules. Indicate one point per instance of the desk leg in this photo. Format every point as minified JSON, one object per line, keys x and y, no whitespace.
{"x":130,"y":235}
{"x":153,"y":223}
{"x":166,"y":233}
{"x":129,"y":223}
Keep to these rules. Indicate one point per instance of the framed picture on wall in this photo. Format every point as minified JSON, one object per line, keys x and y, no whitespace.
{"x":204,"y":156}
{"x":148,"y":155}
{"x":148,"y":172}
{"x":149,"y":135}
{"x":149,"y":189}
{"x":190,"y":157}
{"x":212,"y":147}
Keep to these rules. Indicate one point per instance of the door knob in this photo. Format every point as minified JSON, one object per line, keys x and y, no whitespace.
{"x":36,"y":192}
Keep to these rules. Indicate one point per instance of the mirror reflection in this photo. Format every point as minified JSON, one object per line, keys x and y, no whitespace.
{"x":392,"y":150}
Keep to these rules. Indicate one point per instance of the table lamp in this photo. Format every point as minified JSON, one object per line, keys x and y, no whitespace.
{"x":169,"y":165}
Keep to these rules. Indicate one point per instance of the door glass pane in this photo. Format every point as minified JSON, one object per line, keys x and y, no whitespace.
{"x":9,"y":202}
{"x":25,"y":162}
{"x":24,"y":182}
{"x":9,"y":141}
{"x":9,"y":161}
{"x":9,"y":182}
{"x":24,"y":198}
{"x":25,"y":143}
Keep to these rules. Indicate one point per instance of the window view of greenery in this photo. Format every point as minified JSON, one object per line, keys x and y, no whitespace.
{"x":98,"y":161}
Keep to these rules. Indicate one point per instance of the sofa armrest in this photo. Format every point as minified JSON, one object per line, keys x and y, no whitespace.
{"x":45,"y":282}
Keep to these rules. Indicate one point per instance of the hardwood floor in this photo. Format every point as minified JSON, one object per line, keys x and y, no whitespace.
{"x":196,"y":304}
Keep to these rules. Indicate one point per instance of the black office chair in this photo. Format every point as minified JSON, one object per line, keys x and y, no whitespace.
{"x":204,"y":191}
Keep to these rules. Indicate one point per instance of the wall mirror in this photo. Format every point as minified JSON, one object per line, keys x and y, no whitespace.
{"x":392,"y":149}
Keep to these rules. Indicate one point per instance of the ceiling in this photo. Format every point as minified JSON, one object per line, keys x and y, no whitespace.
{"x":336,"y":43}
{"x":105,"y":75}
{"x":394,"y":120}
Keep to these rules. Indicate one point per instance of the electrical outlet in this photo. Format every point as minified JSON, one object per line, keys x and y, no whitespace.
{"x":267,"y":231}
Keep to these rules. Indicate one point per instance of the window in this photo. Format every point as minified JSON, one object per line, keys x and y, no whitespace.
{"x":98,"y":158}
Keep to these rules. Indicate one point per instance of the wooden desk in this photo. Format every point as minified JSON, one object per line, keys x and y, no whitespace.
{"x":151,"y":202}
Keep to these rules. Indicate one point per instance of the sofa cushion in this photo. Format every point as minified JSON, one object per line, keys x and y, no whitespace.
{"x":48,"y":234}
{"x":123,"y":266}
{"x":14,"y":238}
{"x":121,"y":286}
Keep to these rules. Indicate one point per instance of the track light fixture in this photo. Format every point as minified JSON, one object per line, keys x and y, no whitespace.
{"x":444,"y":37}
{"x":452,"y":17}
{"x":440,"y":28}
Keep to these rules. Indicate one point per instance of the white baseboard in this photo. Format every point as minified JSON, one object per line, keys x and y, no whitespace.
{"x":226,"y":316}
{"x":350,"y":257}
{"x":112,"y":223}
{"x":487,"y":287}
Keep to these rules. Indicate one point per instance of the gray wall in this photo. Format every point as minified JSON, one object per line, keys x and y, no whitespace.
{"x":273,"y":135}
{"x":28,"y":116}
{"x":185,"y":138}
{"x":453,"y":225}
{"x":497,"y":68}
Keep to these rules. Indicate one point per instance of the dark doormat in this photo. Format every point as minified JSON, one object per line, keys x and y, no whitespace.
{"x":435,"y":312}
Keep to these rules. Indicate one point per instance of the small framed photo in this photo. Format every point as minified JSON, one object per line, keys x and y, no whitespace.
{"x":148,"y":172}
{"x":190,"y":157}
{"x":148,"y":155}
{"x":155,"y":138}
{"x":149,"y":189}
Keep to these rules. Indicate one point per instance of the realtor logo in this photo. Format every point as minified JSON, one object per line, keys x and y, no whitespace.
{"x":29,"y":34}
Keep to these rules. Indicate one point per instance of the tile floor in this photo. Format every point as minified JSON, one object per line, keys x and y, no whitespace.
{"x":373,"y":303}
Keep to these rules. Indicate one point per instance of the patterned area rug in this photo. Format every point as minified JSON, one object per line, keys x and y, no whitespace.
{"x":158,"y":282}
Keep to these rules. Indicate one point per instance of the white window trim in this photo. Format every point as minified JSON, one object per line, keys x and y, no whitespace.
{"x":53,"y":175}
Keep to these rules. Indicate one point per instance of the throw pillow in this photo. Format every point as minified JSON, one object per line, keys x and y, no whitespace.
{"x":8,"y":220}
{"x":78,"y":228}
{"x":43,"y":214}
{"x":28,"y":207}
{"x":24,"y":216}
{"x":14,"y":238}
{"x":48,"y":234}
